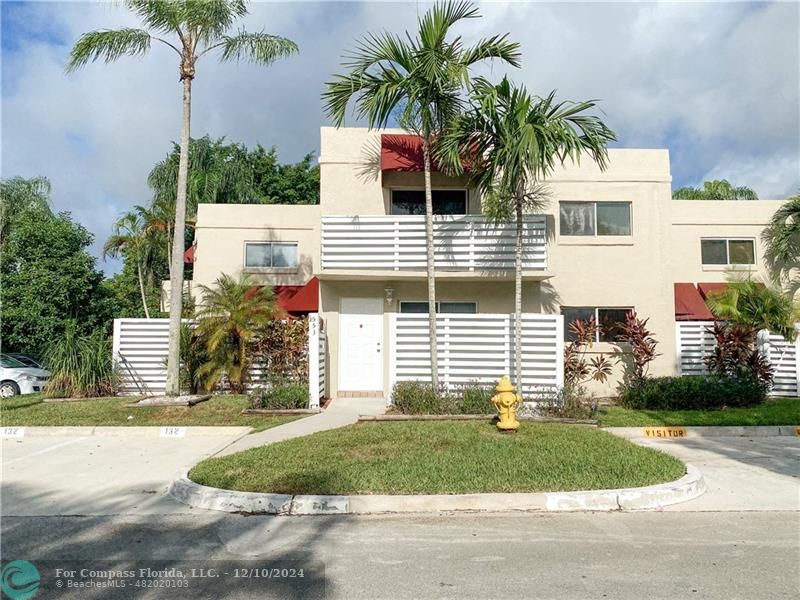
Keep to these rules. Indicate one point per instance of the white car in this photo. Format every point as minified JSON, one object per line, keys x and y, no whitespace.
{"x":18,"y":378}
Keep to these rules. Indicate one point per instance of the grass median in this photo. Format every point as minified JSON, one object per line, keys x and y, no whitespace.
{"x":32,"y":411}
{"x":784,"y":411}
{"x":441,"y":457}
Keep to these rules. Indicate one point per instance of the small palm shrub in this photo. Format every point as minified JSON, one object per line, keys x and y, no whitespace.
{"x":80,"y":367}
{"x":693,"y":392}
{"x":280,"y":394}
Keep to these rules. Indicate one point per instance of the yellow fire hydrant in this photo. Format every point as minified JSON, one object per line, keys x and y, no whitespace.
{"x":506,"y":401}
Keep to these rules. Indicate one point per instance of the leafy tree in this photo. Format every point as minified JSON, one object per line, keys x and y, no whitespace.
{"x":755,"y":306}
{"x":196,"y":28}
{"x":717,"y":189}
{"x":229,"y":318}
{"x":49,"y":279}
{"x":418,"y":80}
{"x":18,"y":195}
{"x":782,"y":240}
{"x":513,"y":141}
{"x":291,"y":183}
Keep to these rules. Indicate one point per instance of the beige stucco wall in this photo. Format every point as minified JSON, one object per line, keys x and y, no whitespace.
{"x":222,"y":230}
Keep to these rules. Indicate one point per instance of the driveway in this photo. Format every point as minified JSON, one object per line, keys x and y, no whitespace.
{"x":102,"y":470}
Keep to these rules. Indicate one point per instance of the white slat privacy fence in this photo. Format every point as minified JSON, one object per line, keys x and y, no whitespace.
{"x":694,"y":343}
{"x":140,"y":351}
{"x":478,"y":348}
{"x":397,"y":243}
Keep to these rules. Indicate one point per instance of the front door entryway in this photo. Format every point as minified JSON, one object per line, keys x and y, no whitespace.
{"x":361,"y":345}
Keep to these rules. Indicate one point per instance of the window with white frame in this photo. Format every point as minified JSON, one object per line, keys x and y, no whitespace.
{"x":724,"y":252}
{"x":464,"y":308}
{"x":609,"y":321}
{"x":270,"y":255}
{"x":595,"y":218}
{"x":445,"y":202}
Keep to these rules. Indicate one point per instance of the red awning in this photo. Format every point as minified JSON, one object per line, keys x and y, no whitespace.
{"x":188,"y":256}
{"x":711,"y":288}
{"x":306,"y":299}
{"x":689,"y":304}
{"x":401,"y":153}
{"x":284,"y":293}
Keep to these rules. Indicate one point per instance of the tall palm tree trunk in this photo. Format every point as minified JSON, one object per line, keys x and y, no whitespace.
{"x":173,"y":386}
{"x":141,"y":287}
{"x":431,"y":262}
{"x":518,"y":299}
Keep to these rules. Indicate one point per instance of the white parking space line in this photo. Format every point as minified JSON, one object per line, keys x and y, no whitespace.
{"x":43,"y":451}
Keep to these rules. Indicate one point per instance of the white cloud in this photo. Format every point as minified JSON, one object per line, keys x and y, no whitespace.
{"x":716,"y":83}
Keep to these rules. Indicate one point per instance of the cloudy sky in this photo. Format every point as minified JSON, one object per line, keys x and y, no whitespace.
{"x":716,"y":83}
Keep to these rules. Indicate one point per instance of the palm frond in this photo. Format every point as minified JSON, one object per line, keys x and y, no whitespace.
{"x":108,"y":45}
{"x":258,"y":47}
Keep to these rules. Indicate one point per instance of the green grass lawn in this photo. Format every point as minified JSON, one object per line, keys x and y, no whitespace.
{"x":220,"y":410}
{"x":444,"y":457}
{"x":784,"y":411}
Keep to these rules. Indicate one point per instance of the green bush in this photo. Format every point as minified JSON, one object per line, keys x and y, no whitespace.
{"x":80,"y":367}
{"x":570,"y":402}
{"x":280,"y":395}
{"x":420,"y":398}
{"x":693,"y":392}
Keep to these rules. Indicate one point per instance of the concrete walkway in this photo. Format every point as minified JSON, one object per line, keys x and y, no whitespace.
{"x":340,"y":412}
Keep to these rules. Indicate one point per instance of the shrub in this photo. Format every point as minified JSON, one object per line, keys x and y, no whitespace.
{"x":422,"y":398}
{"x":569,"y":402}
{"x":693,"y":392}
{"x":736,"y":353}
{"x":280,"y":395}
{"x":475,"y":399}
{"x":282,"y":347}
{"x":643,"y":345}
{"x":576,"y":369}
{"x":80,"y":367}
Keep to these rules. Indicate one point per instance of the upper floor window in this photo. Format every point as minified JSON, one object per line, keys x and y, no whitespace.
{"x":270,"y":255}
{"x":728,"y":252}
{"x":595,"y":218}
{"x":609,"y":321}
{"x":445,"y":202}
{"x":441,"y":307}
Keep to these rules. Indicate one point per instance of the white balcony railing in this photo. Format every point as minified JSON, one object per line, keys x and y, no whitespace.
{"x":461,"y":243}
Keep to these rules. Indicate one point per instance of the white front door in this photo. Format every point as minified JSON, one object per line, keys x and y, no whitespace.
{"x":361,"y":344}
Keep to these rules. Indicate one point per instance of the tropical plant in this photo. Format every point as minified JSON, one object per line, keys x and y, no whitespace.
{"x":716,"y":189}
{"x":18,"y":195}
{"x":229,"y":319}
{"x":576,"y":368}
{"x":193,"y":356}
{"x":133,"y":238}
{"x":782,"y":242}
{"x":634,"y":331}
{"x":196,"y":28}
{"x":418,"y":80}
{"x":736,"y":354}
{"x":755,"y":306}
{"x":80,"y":367}
{"x":282,"y":346}
{"x":512,"y":141}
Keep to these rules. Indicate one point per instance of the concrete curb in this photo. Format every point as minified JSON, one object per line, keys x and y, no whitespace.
{"x":680,"y":432}
{"x":144,"y":431}
{"x":690,"y":486}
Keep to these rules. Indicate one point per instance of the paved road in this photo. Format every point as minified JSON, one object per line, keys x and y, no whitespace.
{"x":627,"y":556}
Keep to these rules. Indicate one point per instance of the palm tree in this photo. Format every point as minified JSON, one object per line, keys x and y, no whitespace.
{"x":229,"y":319}
{"x":782,"y":240}
{"x":133,"y":239}
{"x":418,"y":80}
{"x":17,"y":195}
{"x":717,"y":189}
{"x":755,"y":306}
{"x":196,"y":28}
{"x":513,"y":141}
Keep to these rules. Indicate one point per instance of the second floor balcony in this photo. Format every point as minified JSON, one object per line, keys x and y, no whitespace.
{"x":465,"y":243}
